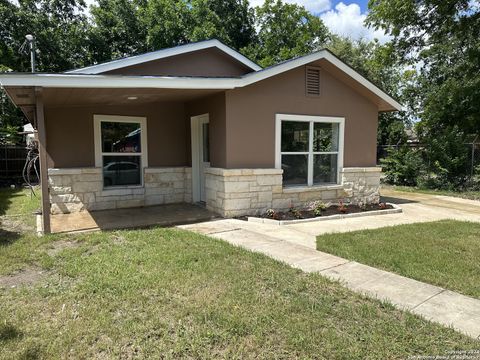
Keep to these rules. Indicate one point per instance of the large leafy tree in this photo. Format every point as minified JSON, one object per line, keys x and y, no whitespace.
{"x":117,"y":30}
{"x":377,"y":62}
{"x":440,"y":37}
{"x":126,"y":27}
{"x":285,"y":31}
{"x":60,"y":29}
{"x":167,"y":23}
{"x":231,"y":21}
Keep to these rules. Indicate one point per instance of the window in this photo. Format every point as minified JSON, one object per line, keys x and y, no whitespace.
{"x":309,"y":149}
{"x":120,"y":149}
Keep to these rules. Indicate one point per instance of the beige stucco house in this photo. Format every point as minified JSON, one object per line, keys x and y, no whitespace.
{"x":202,"y":123}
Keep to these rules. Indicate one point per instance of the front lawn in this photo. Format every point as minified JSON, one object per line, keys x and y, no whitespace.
{"x":443,"y":253}
{"x":166,"y":293}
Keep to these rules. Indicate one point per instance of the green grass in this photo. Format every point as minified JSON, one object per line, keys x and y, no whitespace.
{"x":18,"y":201}
{"x":19,"y":204}
{"x":17,"y":222}
{"x":472,"y":195}
{"x":166,"y":293}
{"x":444,"y":253}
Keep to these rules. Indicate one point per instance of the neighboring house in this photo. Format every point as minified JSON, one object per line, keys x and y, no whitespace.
{"x":202,"y":123}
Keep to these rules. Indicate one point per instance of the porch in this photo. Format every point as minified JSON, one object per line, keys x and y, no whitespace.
{"x":101,"y":158}
{"x":140,"y":217}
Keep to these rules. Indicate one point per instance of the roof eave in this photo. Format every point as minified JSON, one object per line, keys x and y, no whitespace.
{"x":113,"y":81}
{"x":103,"y":81}
{"x":165,"y":53}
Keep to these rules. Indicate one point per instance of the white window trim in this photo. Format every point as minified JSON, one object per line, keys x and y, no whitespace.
{"x":97,"y":134}
{"x":311,"y":120}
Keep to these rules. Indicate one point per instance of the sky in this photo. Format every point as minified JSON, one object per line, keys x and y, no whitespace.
{"x":344,"y":17}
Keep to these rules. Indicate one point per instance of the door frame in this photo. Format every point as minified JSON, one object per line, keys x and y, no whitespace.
{"x":195,"y":130}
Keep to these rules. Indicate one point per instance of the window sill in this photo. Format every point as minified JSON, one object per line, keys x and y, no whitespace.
{"x":298,"y":189}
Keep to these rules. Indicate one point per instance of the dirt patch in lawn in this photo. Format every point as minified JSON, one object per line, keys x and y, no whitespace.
{"x":27,"y":277}
{"x":58,"y":246}
{"x":15,"y":224}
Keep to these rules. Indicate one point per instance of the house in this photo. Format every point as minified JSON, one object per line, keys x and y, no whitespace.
{"x":201,"y":123}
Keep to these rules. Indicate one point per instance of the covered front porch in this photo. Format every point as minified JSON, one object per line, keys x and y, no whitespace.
{"x":140,"y":217}
{"x":146,"y":173}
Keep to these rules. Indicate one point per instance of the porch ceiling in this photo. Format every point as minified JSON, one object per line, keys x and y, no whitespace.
{"x":88,"y":96}
{"x":24,"y":96}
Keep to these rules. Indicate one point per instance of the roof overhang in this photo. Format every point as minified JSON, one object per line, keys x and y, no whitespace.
{"x":165,"y":53}
{"x":385,"y":103}
{"x":115,"y":81}
{"x":24,"y":98}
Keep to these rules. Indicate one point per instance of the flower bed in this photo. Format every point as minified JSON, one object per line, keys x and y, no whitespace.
{"x":320,"y":213}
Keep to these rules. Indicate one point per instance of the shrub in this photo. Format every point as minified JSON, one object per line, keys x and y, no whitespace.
{"x":317,"y":207}
{"x":295,"y":212}
{"x":447,"y":160}
{"x":270,"y":213}
{"x":342,"y":207}
{"x":402,"y":166}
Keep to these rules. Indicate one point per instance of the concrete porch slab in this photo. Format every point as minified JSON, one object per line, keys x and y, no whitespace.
{"x":161,"y":215}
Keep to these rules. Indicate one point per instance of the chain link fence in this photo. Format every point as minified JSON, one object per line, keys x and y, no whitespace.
{"x":472,"y":151}
{"x":473,"y":147}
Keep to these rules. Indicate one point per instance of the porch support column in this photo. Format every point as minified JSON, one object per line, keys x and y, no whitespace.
{"x":42,"y":149}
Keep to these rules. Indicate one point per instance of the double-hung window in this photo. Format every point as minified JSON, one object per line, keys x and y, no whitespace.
{"x":309,"y":149}
{"x":120,"y":149}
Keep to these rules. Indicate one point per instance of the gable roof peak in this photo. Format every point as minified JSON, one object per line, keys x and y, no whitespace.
{"x":165,"y":53}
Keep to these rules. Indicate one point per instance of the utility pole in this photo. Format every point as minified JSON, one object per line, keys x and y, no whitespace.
{"x":31,"y":42}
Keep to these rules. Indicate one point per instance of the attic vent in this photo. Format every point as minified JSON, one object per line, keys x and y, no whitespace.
{"x":312,"y":82}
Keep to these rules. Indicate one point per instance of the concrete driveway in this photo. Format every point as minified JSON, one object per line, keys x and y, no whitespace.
{"x":416,"y":208}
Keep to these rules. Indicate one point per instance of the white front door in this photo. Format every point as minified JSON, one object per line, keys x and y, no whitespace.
{"x":200,"y":155}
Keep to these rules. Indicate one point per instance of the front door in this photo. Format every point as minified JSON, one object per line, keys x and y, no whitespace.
{"x":200,"y":155}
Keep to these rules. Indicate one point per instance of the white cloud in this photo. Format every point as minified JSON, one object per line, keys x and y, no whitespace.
{"x":348,"y":20}
{"x":314,"y":6}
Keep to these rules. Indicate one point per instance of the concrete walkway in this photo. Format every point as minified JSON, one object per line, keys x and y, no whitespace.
{"x":295,"y":245}
{"x":416,"y":208}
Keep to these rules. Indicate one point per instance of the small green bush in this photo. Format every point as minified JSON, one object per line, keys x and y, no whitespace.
{"x":402,"y":166}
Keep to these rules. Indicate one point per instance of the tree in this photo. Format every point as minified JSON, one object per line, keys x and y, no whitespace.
{"x":59,"y":28}
{"x":167,"y":23}
{"x":118,"y":30}
{"x":377,"y":63}
{"x":441,"y":38}
{"x":285,"y":31}
{"x":231,"y":21}
{"x":128,"y":27}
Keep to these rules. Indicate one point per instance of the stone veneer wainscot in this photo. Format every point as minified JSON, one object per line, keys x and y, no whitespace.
{"x":229,"y":192}
{"x":73,"y":190}
{"x":237,"y":192}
